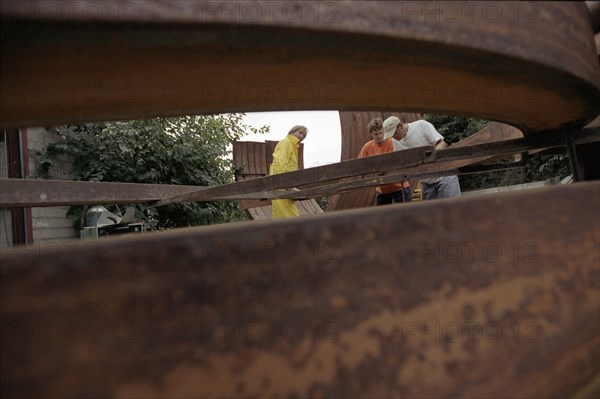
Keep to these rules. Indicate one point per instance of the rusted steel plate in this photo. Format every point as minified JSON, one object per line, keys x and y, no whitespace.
{"x":249,"y":204}
{"x":26,"y":192}
{"x":391,"y":168}
{"x":352,"y":200}
{"x":251,"y":157}
{"x":314,"y":176}
{"x":491,"y":297}
{"x":318,"y":181}
{"x":491,"y":133}
{"x":594,"y":8}
{"x":441,"y":170}
{"x":262,"y":210}
{"x":533,"y":65}
{"x":460,"y":155}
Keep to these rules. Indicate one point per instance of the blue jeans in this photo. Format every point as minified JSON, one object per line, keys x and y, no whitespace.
{"x":404,"y":195}
{"x":446,"y":187}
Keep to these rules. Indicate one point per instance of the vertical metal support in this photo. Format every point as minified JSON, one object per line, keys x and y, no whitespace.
{"x":572,"y":151}
{"x":18,"y":168}
{"x":23,"y":172}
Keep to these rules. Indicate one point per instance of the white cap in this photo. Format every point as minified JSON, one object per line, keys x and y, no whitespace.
{"x":389,"y":126}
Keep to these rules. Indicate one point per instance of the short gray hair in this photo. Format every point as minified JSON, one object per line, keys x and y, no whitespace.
{"x":296,"y":128}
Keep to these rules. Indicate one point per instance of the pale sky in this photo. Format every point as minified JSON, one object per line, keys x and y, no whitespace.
{"x":322,"y":145}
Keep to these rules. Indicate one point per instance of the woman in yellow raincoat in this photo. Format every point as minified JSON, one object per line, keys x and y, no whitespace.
{"x":285,"y":159}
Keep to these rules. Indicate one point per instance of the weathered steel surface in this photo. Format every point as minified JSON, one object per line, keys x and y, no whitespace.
{"x":489,"y":144}
{"x":393,"y":167}
{"x":262,"y":209}
{"x":491,"y":133}
{"x":482,"y":297}
{"x":399,"y":301}
{"x":485,"y":148}
{"x":26,"y":192}
{"x":351,"y":122}
{"x":594,"y":8}
{"x":137,"y":59}
{"x":313,"y":176}
{"x":251,"y":158}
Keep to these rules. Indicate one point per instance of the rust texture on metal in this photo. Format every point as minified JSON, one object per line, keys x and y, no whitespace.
{"x":385,"y":169}
{"x":335,"y":305}
{"x":195,"y":61}
{"x":36,"y":192}
{"x":492,"y":296}
{"x":318,"y":175}
{"x":594,"y":8}
{"x":492,"y":143}
{"x":495,"y":142}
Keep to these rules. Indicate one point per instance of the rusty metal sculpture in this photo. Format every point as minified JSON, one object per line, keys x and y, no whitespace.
{"x":474,"y":297}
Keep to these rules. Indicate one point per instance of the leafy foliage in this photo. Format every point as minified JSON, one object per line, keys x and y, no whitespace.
{"x":538,"y":167}
{"x":190,"y":150}
{"x":455,"y":128}
{"x":323,"y":201}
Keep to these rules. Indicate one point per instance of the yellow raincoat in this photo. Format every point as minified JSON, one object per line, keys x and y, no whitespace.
{"x":285,"y":159}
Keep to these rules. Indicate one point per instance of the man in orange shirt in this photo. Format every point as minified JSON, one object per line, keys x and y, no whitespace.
{"x":397,"y":192}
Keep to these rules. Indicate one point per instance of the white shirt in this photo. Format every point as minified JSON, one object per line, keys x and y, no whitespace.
{"x":420,"y":133}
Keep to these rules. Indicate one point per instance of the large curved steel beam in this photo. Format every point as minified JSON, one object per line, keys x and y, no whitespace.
{"x":529,"y":64}
{"x":339,"y":305}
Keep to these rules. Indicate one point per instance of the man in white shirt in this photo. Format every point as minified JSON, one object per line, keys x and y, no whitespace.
{"x":418,"y":134}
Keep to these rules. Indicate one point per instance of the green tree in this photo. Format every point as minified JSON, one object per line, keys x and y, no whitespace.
{"x":189,"y":150}
{"x":455,"y":128}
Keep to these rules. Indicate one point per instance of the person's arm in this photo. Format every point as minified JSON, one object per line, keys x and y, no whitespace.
{"x":441,"y":144}
{"x":433,"y":136}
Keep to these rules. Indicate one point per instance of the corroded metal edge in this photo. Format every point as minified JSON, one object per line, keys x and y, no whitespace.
{"x":437,"y":66}
{"x":489,"y":297}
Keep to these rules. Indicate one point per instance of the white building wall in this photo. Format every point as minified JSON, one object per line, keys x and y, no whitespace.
{"x":49,"y":223}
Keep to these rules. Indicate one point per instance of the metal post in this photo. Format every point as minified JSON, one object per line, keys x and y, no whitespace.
{"x":573,"y":161}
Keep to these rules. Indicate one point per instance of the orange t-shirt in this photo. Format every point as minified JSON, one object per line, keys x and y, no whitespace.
{"x":370,"y":149}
